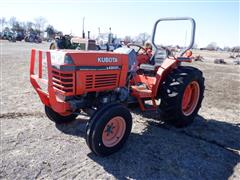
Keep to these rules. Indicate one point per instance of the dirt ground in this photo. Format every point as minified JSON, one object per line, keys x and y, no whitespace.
{"x":32,"y":147}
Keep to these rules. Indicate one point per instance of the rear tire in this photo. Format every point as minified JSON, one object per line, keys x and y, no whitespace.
{"x":53,"y":46}
{"x":57,"y":118}
{"x":181,"y":96}
{"x":108,"y":129}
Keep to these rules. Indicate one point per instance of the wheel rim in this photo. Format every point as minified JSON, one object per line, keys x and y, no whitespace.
{"x":190,"y":98}
{"x":65,"y":114}
{"x":114,"y":131}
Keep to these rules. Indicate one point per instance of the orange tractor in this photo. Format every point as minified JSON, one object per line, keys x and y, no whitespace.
{"x":104,"y":83}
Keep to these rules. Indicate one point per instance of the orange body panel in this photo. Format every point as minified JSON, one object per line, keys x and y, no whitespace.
{"x":48,"y":98}
{"x":94,"y":76}
{"x":92,"y":72}
{"x":87,"y":74}
{"x":88,"y":81}
{"x":149,"y":81}
{"x":152,"y":83}
{"x":143,"y":59}
{"x":64,"y":82}
{"x":167,"y":66}
{"x":89,"y":58}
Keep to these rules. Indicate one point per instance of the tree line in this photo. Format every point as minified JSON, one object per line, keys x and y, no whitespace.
{"x":38,"y":26}
{"x":214,"y":47}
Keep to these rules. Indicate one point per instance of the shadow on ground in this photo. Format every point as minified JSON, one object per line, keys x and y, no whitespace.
{"x":208,"y":149}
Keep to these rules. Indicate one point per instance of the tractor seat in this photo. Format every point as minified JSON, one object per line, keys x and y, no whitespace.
{"x":155,"y":61}
{"x":149,"y":67}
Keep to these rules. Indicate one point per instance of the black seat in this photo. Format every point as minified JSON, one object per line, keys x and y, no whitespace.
{"x":155,"y":61}
{"x":147,"y":67}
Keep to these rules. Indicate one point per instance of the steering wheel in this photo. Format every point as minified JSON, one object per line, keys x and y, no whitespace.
{"x":131,"y":45}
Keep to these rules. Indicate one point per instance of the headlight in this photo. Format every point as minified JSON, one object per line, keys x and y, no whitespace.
{"x":60,"y":58}
{"x":57,"y":57}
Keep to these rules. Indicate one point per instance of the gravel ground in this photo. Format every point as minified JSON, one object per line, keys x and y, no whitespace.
{"x":32,"y":147}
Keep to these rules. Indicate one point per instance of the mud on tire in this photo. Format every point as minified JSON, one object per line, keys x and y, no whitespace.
{"x":182,"y":85}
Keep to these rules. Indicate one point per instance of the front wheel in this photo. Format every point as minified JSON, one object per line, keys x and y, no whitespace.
{"x":57,"y":118}
{"x":108,"y":129}
{"x":181,"y":96}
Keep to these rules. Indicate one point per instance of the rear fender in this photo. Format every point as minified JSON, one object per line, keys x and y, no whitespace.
{"x":162,"y":72}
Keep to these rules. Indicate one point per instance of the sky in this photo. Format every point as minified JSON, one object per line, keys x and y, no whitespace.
{"x":216,"y":21}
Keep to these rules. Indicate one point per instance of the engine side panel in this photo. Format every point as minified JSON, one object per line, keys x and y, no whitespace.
{"x":96,"y":81}
{"x":99,"y":71}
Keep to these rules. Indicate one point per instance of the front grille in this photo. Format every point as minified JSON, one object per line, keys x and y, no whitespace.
{"x":101,"y":80}
{"x":89,"y":81}
{"x":63,"y":81}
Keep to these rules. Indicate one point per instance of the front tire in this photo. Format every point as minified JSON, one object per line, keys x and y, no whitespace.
{"x":57,"y":118}
{"x":181,"y":96}
{"x":108,"y":129}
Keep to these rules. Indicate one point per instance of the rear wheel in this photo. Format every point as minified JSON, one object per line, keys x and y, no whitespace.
{"x":181,"y":96}
{"x":57,"y":118}
{"x":53,"y":45}
{"x":31,"y":39}
{"x":108,"y":129}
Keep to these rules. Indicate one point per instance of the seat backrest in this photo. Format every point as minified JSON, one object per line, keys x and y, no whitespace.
{"x":158,"y":57}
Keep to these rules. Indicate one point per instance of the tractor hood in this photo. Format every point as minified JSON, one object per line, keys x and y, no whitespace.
{"x":84,"y":60}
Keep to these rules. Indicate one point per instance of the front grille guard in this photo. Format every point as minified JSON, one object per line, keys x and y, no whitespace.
{"x":48,"y":98}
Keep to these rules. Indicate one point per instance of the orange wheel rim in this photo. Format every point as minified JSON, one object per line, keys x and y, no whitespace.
{"x":65,"y":113}
{"x":113,"y":131}
{"x":190,"y":98}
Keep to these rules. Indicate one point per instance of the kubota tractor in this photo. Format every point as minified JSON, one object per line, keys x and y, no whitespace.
{"x":104,"y":83}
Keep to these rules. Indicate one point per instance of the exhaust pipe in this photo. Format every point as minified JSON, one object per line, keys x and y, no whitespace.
{"x":83,"y":33}
{"x":88,"y":34}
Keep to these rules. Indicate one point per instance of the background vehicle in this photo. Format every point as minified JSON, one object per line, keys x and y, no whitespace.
{"x":19,"y":36}
{"x":33,"y":37}
{"x":103,"y":83}
{"x":9,"y":35}
{"x":106,"y":41}
{"x":70,"y":42}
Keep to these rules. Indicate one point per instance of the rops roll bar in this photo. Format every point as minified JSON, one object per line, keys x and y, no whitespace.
{"x":176,"y":19}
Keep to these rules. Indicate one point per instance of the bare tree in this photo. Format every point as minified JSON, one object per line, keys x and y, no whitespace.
{"x":30,"y":26}
{"x":236,"y":49}
{"x":40,"y":23}
{"x":12,"y":22}
{"x":36,"y":27}
{"x":227,"y":48}
{"x":143,"y":37}
{"x":23,"y":25}
{"x":51,"y":32}
{"x":6,"y":29}
{"x":2,"y":22}
{"x":127,"y":39}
